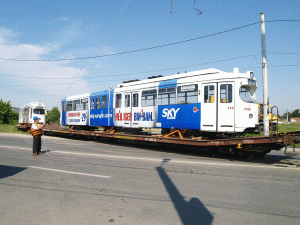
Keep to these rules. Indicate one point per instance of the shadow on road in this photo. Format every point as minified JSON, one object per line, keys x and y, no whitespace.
{"x":190,"y":212}
{"x":7,"y":171}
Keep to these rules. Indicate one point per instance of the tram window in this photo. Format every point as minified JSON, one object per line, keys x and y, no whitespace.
{"x":127,"y":100}
{"x":247,"y":94}
{"x":187,"y":94}
{"x":76,"y":105}
{"x":92,"y":103}
{"x":97,"y":103}
{"x":69,"y":106}
{"x":118,"y":101}
{"x":84,"y":104}
{"x":226,"y":93}
{"x":209,"y":94}
{"x":149,"y":98}
{"x":135,"y":100}
{"x":167,"y":96}
{"x":104,"y":102}
{"x":39,"y":111}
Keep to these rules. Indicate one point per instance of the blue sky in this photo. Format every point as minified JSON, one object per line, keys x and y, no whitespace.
{"x":51,"y":30}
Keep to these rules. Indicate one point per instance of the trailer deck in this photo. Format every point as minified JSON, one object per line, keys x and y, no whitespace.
{"x":245,"y":147}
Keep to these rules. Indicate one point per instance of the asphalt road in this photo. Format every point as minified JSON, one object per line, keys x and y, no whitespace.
{"x":95,"y":182}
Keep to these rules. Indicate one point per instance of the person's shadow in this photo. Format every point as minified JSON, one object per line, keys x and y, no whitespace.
{"x":7,"y":171}
{"x":192,"y":212}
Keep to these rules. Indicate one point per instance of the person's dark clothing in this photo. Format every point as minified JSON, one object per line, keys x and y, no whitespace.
{"x":37,"y":144}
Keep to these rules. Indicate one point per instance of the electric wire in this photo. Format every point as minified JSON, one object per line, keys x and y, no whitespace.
{"x":144,"y":49}
{"x":104,"y":81}
{"x":138,"y":73}
{"x":132,"y":51}
{"x":152,"y":71}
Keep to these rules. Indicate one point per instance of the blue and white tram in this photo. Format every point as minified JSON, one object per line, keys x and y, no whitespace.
{"x":207,"y":100}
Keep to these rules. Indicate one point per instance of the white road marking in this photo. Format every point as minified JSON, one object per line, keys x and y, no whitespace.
{"x":161,"y":160}
{"x":15,"y":147}
{"x":63,"y":171}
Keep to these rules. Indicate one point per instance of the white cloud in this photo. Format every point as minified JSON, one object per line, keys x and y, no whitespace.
{"x":22,"y":72}
{"x":5,"y":35}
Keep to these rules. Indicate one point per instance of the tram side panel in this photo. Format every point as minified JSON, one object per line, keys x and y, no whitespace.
{"x":178,"y":105}
{"x":101,"y":108}
{"x":135,"y":109}
{"x":76,"y":110}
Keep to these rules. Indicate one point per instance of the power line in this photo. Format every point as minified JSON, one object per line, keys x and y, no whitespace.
{"x":152,"y":71}
{"x":32,"y":93}
{"x":285,"y":66}
{"x":127,"y":74}
{"x":102,"y":81}
{"x":133,"y":51}
{"x":283,"y":53}
{"x":275,"y":21}
{"x":144,"y":49}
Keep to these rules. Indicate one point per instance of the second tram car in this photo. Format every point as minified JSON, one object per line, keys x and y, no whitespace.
{"x":29,"y":111}
{"x":206,"y":100}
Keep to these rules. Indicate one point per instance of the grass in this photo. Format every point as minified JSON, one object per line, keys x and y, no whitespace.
{"x":286,"y":127}
{"x":11,"y":128}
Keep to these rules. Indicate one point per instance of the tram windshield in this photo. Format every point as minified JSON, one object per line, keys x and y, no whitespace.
{"x":39,"y":111}
{"x":247,"y":93}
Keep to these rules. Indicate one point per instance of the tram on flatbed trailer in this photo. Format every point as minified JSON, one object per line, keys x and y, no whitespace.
{"x":209,"y":100}
{"x":212,"y":104}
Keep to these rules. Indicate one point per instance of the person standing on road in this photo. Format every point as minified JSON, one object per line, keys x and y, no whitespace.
{"x":37,"y":131}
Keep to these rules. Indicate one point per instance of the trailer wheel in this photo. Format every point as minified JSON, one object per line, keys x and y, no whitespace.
{"x":245,"y":155}
{"x":260,"y":155}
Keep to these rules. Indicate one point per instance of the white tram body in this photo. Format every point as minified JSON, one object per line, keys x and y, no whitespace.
{"x":77,"y":108}
{"x":30,"y":110}
{"x":206,"y":100}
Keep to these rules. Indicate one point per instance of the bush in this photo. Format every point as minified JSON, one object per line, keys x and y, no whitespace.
{"x":7,"y":114}
{"x":53,"y":116}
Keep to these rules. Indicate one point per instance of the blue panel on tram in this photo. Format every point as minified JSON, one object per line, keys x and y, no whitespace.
{"x":101,"y":108}
{"x":187,"y":116}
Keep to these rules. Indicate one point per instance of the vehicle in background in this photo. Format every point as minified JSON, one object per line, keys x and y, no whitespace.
{"x":28,"y":112}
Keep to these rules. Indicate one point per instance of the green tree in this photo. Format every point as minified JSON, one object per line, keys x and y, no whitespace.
{"x":295,"y":114}
{"x":7,"y":114}
{"x":53,"y":116}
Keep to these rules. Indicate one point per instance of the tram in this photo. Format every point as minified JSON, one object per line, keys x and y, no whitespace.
{"x":208,"y":100}
{"x":29,"y":111}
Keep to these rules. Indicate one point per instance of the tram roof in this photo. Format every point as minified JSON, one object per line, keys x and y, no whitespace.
{"x":218,"y":74}
{"x":171,"y":77}
{"x":32,"y":104}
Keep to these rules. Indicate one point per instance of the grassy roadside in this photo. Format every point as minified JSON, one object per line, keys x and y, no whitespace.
{"x":11,"y":128}
{"x":286,"y":127}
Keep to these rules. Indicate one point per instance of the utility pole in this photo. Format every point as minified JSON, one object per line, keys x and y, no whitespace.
{"x":265,"y":75}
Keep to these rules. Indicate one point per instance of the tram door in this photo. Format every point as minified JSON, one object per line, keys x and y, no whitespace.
{"x":226,"y":107}
{"x":127,"y":115}
{"x":209,"y":107}
{"x":135,"y":109}
{"x":130,"y":109}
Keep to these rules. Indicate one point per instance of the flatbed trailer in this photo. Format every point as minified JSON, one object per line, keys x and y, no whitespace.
{"x":243,"y":147}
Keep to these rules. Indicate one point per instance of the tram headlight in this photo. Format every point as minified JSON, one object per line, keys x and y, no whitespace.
{"x":250,"y":116}
{"x":252,"y":82}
